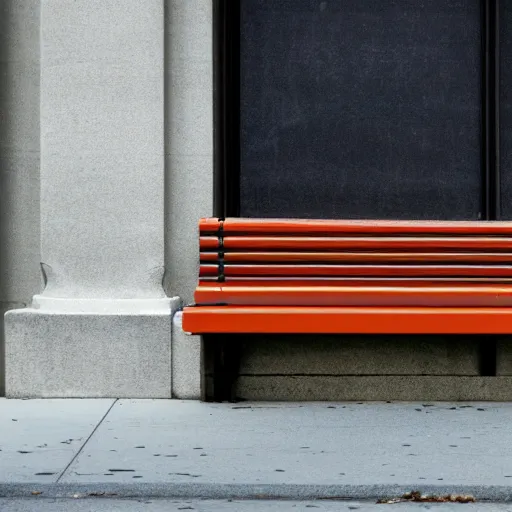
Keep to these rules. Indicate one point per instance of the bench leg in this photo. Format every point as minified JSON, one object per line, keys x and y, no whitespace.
{"x":488,"y":356}
{"x":220,"y":368}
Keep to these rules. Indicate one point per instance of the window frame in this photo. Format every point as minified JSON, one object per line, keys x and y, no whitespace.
{"x":226,"y":115}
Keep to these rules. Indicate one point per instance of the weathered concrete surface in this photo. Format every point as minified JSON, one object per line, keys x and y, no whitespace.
{"x":90,"y":355}
{"x":288,"y":368}
{"x":373,"y":387}
{"x":359,"y":355}
{"x":102,"y":140}
{"x":39,"y":438}
{"x":186,"y":450}
{"x":407,"y":445}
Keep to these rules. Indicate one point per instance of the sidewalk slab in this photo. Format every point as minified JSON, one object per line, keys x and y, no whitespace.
{"x":317,"y":445}
{"x":187,"y":449}
{"x":39,"y":438}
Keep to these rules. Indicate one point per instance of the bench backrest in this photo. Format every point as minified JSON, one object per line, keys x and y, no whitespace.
{"x":367,"y":263}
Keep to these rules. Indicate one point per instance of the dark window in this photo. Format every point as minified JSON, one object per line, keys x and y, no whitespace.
{"x":362,"y":109}
{"x":505,"y":108}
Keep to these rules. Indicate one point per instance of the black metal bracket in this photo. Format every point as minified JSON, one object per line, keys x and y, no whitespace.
{"x":220,"y":254}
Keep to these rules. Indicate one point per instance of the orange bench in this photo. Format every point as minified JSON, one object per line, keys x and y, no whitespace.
{"x":357,"y":277}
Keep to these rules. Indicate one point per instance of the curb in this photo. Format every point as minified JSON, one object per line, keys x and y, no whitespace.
{"x":245,"y":491}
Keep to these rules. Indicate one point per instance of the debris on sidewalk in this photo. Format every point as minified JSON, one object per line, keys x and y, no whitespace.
{"x":416,"y":496}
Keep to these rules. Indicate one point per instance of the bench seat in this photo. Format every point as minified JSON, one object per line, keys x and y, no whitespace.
{"x":346,"y":320}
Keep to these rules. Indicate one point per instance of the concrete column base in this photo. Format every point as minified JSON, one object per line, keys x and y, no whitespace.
{"x":186,"y":362}
{"x":90,"y":348}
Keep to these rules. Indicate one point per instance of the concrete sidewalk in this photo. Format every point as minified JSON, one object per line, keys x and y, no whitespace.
{"x":185,"y":450}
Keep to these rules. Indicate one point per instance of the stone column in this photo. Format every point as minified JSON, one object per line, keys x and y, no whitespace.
{"x":102,"y":325}
{"x":19,"y":158}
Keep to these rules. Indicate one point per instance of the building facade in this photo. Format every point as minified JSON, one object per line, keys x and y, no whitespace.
{"x":106,"y":165}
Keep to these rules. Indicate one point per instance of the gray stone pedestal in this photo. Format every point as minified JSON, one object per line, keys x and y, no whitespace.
{"x":104,"y":349}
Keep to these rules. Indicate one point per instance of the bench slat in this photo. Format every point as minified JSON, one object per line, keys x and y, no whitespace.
{"x":305,"y":226}
{"x":303,"y":295}
{"x":357,"y":243}
{"x":360,"y":270}
{"x":359,"y":257}
{"x":340,"y":320}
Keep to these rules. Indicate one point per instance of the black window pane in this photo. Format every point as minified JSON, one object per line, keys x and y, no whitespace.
{"x":360,"y":109}
{"x":506,"y":109}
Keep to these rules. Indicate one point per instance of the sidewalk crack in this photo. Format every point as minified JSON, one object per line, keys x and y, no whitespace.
{"x":86,"y":441}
